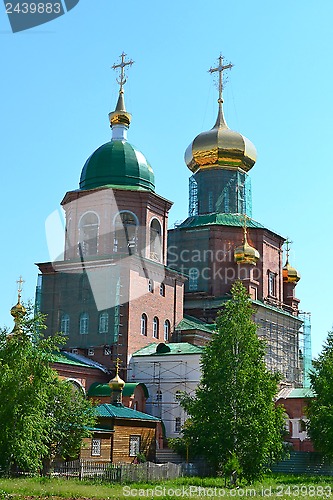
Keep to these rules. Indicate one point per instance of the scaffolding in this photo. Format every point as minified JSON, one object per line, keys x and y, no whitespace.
{"x":166,"y":380}
{"x":220,"y":191}
{"x":283,"y":335}
{"x":193,"y":197}
{"x":306,"y":348}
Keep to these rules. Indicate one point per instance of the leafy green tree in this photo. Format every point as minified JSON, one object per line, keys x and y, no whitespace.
{"x":233,"y":416}
{"x":40,"y":416}
{"x":320,"y":410}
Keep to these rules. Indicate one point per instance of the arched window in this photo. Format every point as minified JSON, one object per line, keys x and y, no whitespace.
{"x":84,"y":323}
{"x":64,"y":324}
{"x":88,"y":233}
{"x":155,"y":327}
{"x":155,"y":240}
{"x":162,"y":289}
{"x":166,"y":330}
{"x":144,"y":324}
{"x":150,"y":286}
{"x":158,"y":395}
{"x":125,"y":233}
{"x":193,"y":279}
{"x":103,"y":322}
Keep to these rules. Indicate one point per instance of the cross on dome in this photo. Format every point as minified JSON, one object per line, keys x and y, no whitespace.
{"x":122,"y":65}
{"x":288,"y":242}
{"x":220,"y":68}
{"x":20,"y":282}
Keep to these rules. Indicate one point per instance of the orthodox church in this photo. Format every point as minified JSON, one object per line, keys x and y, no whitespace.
{"x":127,"y":288}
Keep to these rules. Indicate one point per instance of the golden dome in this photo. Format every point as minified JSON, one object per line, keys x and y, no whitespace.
{"x":116,"y":384}
{"x":220,"y":147}
{"x":245,"y":253}
{"x":290,"y":274}
{"x":18,"y":310}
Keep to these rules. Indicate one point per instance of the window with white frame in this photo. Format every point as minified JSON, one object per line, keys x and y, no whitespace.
{"x":178,"y":395}
{"x":95,"y":447}
{"x":144,"y":324}
{"x":155,"y":328}
{"x":103,"y":323}
{"x":64,"y":324}
{"x":134,"y":445}
{"x":88,"y":231}
{"x":107,"y":350}
{"x":178,"y":424}
{"x":193,"y":279}
{"x":125,"y":232}
{"x":150,"y":286}
{"x":155,"y":240}
{"x":166,"y":330}
{"x":84,"y":323}
{"x":162,"y":289}
{"x":272,"y":284}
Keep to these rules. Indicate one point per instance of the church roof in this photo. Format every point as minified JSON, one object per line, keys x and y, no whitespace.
{"x":298,"y":393}
{"x":173,"y":348}
{"x":219,"y":219}
{"x":98,"y":389}
{"x":191,"y":323}
{"x":77,"y":360}
{"x":120,"y":411}
{"x":117,"y":163}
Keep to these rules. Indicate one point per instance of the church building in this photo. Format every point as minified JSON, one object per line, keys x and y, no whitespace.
{"x":126,"y":287}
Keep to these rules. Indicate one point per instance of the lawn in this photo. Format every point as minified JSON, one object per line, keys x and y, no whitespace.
{"x":273,"y":486}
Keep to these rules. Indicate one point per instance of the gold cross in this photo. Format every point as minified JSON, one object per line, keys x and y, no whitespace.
{"x":220,"y":68}
{"x":288,"y":242}
{"x":122,"y":66}
{"x":118,"y":361}
{"x":20,"y":282}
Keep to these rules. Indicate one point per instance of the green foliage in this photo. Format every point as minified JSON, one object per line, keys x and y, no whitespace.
{"x":40,"y":416}
{"x":232,"y":413}
{"x":320,"y":410}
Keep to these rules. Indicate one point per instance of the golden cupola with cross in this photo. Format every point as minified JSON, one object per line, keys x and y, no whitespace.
{"x":18,"y":311}
{"x":220,"y":160}
{"x":289,"y":273}
{"x":220,"y":147}
{"x":245,"y":253}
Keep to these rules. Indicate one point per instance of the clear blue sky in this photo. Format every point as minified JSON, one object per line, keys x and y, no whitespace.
{"x":57,"y":89}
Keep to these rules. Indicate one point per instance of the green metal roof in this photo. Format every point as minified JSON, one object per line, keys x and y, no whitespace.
{"x":191,"y":323}
{"x":120,"y":411}
{"x":66,"y":359}
{"x":276,"y":309}
{"x":219,"y":219}
{"x":301,"y":392}
{"x":117,"y":163}
{"x":173,"y":348}
{"x":96,"y":389}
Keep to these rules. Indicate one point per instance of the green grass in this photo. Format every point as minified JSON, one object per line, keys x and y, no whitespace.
{"x":273,"y":486}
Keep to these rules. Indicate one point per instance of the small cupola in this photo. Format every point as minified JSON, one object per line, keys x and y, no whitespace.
{"x":245,"y":253}
{"x":116,"y":385}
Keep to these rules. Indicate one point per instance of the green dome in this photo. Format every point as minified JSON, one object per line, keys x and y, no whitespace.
{"x":117,"y":163}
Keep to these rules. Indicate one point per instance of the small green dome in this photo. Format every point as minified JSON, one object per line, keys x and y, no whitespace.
{"x":117,"y":163}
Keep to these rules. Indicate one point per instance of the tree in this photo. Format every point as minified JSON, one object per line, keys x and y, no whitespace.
{"x":234,"y":422}
{"x":320,"y":410}
{"x":40,"y":416}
